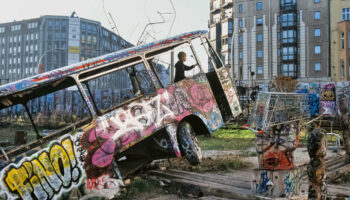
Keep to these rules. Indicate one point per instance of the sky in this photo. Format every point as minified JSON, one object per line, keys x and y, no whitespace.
{"x":130,"y":16}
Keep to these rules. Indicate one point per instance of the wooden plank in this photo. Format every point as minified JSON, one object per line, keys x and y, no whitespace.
{"x":200,"y":178}
{"x":223,"y":179}
{"x":237,"y":184}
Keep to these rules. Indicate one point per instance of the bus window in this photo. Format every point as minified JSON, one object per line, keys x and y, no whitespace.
{"x":202,"y":54}
{"x":127,"y":83}
{"x":213,"y":56}
{"x":15,"y":127}
{"x":162,"y":62}
{"x":57,"y":110}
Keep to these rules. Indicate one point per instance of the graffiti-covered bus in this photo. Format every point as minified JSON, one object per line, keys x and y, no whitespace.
{"x":89,"y":125}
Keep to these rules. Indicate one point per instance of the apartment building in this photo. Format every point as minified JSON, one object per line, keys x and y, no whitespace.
{"x":276,"y":37}
{"x":37,"y":45}
{"x":340,"y":43}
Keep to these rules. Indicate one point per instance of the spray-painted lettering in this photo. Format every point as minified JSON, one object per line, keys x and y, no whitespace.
{"x":46,"y":176}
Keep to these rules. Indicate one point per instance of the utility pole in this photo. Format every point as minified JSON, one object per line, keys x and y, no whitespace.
{"x":43,"y":54}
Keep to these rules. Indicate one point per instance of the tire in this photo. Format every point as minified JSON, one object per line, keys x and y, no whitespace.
{"x":189,"y":145}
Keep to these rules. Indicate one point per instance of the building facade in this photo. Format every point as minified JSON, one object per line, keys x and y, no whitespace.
{"x":280,"y":37}
{"x":340,"y":43}
{"x":37,"y":45}
{"x":221,"y":28}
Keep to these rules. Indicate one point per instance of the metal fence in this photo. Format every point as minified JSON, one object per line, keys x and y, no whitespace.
{"x":274,"y":108}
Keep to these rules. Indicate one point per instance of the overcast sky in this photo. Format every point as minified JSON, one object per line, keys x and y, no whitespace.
{"x":131,"y":16}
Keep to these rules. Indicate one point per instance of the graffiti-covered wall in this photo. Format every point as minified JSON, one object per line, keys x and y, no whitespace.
{"x":330,"y":99}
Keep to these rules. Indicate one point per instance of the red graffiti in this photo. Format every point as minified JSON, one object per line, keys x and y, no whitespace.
{"x":201,"y":98}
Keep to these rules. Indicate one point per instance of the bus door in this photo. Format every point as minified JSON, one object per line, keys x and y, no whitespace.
{"x":219,"y":79}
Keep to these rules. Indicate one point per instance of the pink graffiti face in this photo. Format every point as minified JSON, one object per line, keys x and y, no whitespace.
{"x":201,"y":98}
{"x":328,"y":107}
{"x":329,"y":86}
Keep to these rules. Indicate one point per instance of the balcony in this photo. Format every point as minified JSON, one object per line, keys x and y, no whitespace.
{"x":225,"y":48}
{"x":288,"y":7}
{"x":227,"y":14}
{"x":215,"y":7}
{"x":227,"y":3}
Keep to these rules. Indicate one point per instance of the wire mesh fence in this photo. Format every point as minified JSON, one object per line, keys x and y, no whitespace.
{"x":274,"y":108}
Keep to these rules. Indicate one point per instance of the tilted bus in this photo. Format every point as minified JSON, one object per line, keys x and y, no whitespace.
{"x":70,"y":127}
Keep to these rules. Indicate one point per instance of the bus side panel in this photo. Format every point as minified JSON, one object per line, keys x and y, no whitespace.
{"x":123,"y":128}
{"x":229,"y":90}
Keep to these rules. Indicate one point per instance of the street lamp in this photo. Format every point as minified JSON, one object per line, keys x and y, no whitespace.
{"x":45,"y":52}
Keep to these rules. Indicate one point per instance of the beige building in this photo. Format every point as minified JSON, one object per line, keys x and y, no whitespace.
{"x":340,"y":43}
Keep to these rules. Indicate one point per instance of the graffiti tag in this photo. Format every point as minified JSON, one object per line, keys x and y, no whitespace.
{"x":45,"y":176}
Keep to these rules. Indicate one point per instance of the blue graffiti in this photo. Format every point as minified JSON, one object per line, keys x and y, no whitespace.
{"x":213,"y":123}
{"x":292,"y":183}
{"x":314,"y":104}
{"x":262,"y":188}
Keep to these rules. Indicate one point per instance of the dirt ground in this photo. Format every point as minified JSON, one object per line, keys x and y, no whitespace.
{"x":215,"y":161}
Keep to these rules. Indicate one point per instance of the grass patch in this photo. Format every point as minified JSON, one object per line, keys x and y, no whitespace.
{"x":228,"y":138}
{"x":346,"y":178}
{"x":220,"y":163}
{"x":141,"y":189}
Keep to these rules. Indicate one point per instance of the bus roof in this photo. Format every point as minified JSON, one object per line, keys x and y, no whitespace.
{"x":59,"y":73}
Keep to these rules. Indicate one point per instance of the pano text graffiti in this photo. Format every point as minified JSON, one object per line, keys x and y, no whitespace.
{"x":45,"y":175}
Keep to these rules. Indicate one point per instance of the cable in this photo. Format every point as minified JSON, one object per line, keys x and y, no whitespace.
{"x":174,"y":17}
{"x":110,"y":20}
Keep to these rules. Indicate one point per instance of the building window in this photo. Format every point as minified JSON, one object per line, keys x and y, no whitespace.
{"x":16,"y":27}
{"x":260,"y":53}
{"x":259,"y":21}
{"x":229,"y":42}
{"x":342,"y":40}
{"x":240,"y":39}
{"x":240,"y":55}
{"x":259,"y":6}
{"x":260,"y":70}
{"x":32,"y":25}
{"x":346,"y":14}
{"x":259,"y":37}
{"x":240,"y":23}
{"x":317,"y":67}
{"x":317,"y":15}
{"x":288,"y":70}
{"x":317,"y":49}
{"x":240,"y":8}
{"x":2,"y":29}
{"x":288,"y":53}
{"x":94,"y":29}
{"x":316,"y":1}
{"x":288,"y":36}
{"x":288,"y":19}
{"x":342,"y":69}
{"x":317,"y":32}
{"x":230,"y":29}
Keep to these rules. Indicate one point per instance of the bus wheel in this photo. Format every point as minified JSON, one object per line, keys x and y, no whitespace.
{"x":189,"y":144}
